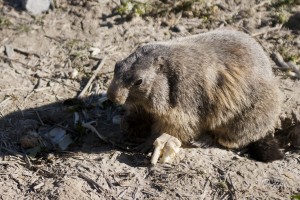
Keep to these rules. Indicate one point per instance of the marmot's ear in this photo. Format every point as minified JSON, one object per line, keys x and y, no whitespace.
{"x":159,"y":63}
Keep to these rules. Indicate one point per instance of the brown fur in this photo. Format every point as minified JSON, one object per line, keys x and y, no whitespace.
{"x":219,"y":82}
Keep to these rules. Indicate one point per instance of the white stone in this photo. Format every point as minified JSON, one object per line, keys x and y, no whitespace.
{"x":36,"y":7}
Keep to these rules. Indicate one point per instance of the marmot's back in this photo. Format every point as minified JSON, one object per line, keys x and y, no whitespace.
{"x":225,"y":46}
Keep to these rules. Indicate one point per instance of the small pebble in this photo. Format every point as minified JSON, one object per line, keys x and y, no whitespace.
{"x":178,"y":28}
{"x":74,"y":74}
{"x":36,"y":7}
{"x":9,"y":51}
{"x":94,"y":51}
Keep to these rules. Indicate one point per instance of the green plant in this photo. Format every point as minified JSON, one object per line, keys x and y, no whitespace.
{"x":296,"y":197}
{"x":4,"y":22}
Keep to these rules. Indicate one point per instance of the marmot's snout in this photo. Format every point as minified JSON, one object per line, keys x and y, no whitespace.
{"x":116,"y":92}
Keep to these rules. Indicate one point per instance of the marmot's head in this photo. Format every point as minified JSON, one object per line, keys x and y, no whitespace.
{"x":137,"y":76}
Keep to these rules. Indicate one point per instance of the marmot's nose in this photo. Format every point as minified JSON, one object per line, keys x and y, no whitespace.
{"x":118,"y":99}
{"x":116,"y":93}
{"x":114,"y":97}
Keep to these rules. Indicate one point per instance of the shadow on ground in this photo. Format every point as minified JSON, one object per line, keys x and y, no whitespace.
{"x":16,"y":4}
{"x":41,"y":120}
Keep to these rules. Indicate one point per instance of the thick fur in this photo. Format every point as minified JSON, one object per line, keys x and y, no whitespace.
{"x":220,"y":81}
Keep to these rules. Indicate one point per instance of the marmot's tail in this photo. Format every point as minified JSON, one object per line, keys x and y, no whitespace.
{"x":265,"y":150}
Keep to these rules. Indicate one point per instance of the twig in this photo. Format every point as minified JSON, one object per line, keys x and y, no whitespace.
{"x":262,"y":4}
{"x":88,"y":125}
{"x":26,"y":53}
{"x":6,"y":162}
{"x":92,"y":182}
{"x":28,"y":162}
{"x":295,"y":68}
{"x":231,"y":187}
{"x":122,"y":194}
{"x":42,"y":88}
{"x":109,"y":183}
{"x":59,"y":39}
{"x":136,"y":190}
{"x":39,"y":186}
{"x":286,"y":66}
{"x":267,"y":30}
{"x":94,"y":58}
{"x":36,"y":112}
{"x":100,"y":65}
{"x":205,"y":189}
{"x":53,"y":79}
{"x":16,"y":61}
{"x":4,"y":101}
{"x":18,"y":88}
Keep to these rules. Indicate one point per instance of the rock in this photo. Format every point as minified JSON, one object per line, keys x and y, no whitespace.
{"x":188,"y":14}
{"x":36,"y":7}
{"x":73,"y":74}
{"x":29,"y":140}
{"x":59,"y":138}
{"x":9,"y":51}
{"x":94,"y":51}
{"x":179,"y":28}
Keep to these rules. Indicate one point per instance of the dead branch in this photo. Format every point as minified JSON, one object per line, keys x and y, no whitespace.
{"x":266,"y":30}
{"x":26,"y":53}
{"x":89,"y":126}
{"x":289,"y":66}
{"x":205,"y":189}
{"x":91,"y":182}
{"x":16,"y":61}
{"x":100,"y":65}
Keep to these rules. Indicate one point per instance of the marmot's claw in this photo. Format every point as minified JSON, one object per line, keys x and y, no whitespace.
{"x":165,"y":146}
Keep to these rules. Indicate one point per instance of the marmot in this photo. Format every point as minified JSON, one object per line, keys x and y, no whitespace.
{"x":218,"y":82}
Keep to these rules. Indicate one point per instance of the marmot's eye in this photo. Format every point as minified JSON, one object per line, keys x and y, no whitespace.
{"x":138,"y":82}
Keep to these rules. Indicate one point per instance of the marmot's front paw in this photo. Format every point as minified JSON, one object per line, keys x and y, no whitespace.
{"x":166,"y":147}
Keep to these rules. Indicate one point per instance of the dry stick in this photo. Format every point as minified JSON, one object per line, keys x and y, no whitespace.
{"x":100,"y":65}
{"x":286,"y":66}
{"x":92,"y":182}
{"x":26,"y":53}
{"x":28,"y":162}
{"x":16,"y":61}
{"x":122,"y":194}
{"x":4,"y":101}
{"x":266,"y":31}
{"x":40,"y":119}
{"x":262,"y":4}
{"x":231,"y":188}
{"x":89,"y":126}
{"x":205,"y":189}
{"x":39,"y":186}
{"x":295,"y":68}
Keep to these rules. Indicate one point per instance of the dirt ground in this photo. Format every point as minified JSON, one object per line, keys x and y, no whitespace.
{"x":49,"y":58}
